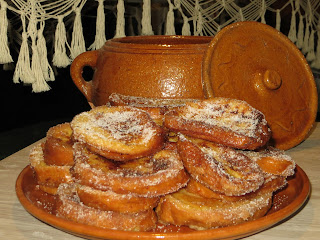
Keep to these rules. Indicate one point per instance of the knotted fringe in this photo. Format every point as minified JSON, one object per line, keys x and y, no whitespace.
{"x":241,"y":17}
{"x":5,"y":56}
{"x":186,"y":26}
{"x":316,"y":62}
{"x":170,"y":29}
{"x":292,"y":35}
{"x":278,"y":20}
{"x":263,"y":12}
{"x":77,"y":42}
{"x":100,"y":37}
{"x":8,"y":67}
{"x":299,"y":42}
{"x":305,"y":46}
{"x":198,"y":19}
{"x":120,"y":28}
{"x":47,"y":71}
{"x":199,"y":24}
{"x":60,"y":58}
{"x":23,"y":69}
{"x":311,"y":55}
{"x":39,"y":84}
{"x":146,"y":18}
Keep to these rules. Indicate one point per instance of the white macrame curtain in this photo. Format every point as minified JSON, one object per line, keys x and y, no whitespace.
{"x":197,"y":17}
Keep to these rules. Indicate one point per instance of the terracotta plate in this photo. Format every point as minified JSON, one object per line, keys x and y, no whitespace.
{"x":286,"y":202}
{"x":254,"y":62}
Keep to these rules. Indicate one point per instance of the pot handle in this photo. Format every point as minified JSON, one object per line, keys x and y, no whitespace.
{"x":88,"y":58}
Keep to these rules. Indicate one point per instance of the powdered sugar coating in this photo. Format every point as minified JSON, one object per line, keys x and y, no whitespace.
{"x":235,"y":115}
{"x":230,"y":122}
{"x":273,"y":161}
{"x":48,"y":175}
{"x":147,"y":177}
{"x":70,"y":207}
{"x":122,"y":130}
{"x":185,"y":208}
{"x":220,"y":168}
{"x":117,"y":99}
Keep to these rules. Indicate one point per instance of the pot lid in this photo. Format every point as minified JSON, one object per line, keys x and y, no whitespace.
{"x":254,"y":62}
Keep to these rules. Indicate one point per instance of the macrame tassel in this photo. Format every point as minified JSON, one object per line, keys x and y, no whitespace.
{"x":311,"y":55}
{"x":186,"y":26}
{"x":305,"y":46}
{"x":60,"y":58}
{"x":120,"y":28}
{"x":219,"y":29}
{"x":199,"y":21}
{"x":241,"y":17}
{"x":170,"y":29}
{"x":292,"y":35}
{"x":278,"y":20}
{"x":77,"y":43}
{"x":146,"y":18}
{"x":40,"y":84}
{"x":299,"y":42}
{"x":23,"y":69}
{"x":263,"y":12}
{"x":43,"y":56}
{"x":8,"y":67}
{"x":5,"y":56}
{"x":100,"y":38}
{"x":316,"y":62}
{"x":199,"y":25}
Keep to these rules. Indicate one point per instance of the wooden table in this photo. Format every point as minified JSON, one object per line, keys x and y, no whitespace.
{"x":16,"y":223}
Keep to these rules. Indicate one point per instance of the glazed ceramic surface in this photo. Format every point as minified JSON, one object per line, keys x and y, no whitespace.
{"x":42,"y":206}
{"x":145,"y":66}
{"x":254,"y":62}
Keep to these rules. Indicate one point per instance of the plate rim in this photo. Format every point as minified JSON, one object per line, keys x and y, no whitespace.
{"x":83,"y":230}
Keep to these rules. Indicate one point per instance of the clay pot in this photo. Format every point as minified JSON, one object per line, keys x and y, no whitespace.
{"x":144,"y":66}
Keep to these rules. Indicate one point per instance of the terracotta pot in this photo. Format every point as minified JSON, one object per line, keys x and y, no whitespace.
{"x":144,"y":66}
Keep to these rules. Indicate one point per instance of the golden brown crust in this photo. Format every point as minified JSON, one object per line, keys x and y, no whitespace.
{"x":270,"y":185}
{"x":185,"y":208}
{"x":47,"y":189}
{"x":70,"y":207}
{"x":118,"y":133}
{"x":58,"y":146}
{"x":111,"y":201}
{"x":48,"y":175}
{"x":273,"y":161}
{"x":116,"y":99}
{"x":220,"y":168}
{"x":151,"y":176}
{"x":230,"y":122}
{"x":156,"y":107}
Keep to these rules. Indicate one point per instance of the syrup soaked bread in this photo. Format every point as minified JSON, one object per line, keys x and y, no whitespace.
{"x":273,"y":161}
{"x":220,"y":168}
{"x":156,"y":107}
{"x":229,"y":122}
{"x":151,"y":176}
{"x":270,"y":185}
{"x":57,"y":148}
{"x":192,"y":210}
{"x":118,"y":133}
{"x":116,"y":99}
{"x":197,"y":169}
{"x":70,"y":207}
{"x":111,"y":201}
{"x":49,"y":177}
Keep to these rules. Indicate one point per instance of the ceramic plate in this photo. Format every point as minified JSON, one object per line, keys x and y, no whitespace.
{"x":286,"y":202}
